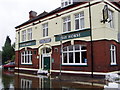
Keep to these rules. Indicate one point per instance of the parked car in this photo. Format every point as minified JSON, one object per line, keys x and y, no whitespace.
{"x":9,"y":65}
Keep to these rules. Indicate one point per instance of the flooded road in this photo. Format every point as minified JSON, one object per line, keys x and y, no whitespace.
{"x":14,"y":80}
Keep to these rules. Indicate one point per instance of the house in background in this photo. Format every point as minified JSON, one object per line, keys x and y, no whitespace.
{"x":76,"y":38}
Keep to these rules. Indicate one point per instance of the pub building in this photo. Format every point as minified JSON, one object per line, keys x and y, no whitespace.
{"x":76,"y":38}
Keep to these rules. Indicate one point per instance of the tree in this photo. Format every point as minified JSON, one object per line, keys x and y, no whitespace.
{"x":7,"y":51}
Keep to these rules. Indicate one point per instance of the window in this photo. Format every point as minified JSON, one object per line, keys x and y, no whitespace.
{"x":79,"y":21}
{"x":45,"y":30}
{"x":26,"y":57}
{"x":23,"y":35}
{"x":29,"y":31}
{"x":46,"y":50}
{"x":66,"y":24}
{"x":113,"y":54}
{"x":65,"y":3}
{"x":25,"y":83}
{"x":74,"y":55}
{"x":110,"y":19}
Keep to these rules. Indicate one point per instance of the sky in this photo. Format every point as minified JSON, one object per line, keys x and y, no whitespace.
{"x":16,"y":12}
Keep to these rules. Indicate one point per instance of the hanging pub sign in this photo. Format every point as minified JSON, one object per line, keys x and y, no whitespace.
{"x":105,"y":14}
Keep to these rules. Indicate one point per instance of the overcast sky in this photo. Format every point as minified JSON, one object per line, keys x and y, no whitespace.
{"x":16,"y":12}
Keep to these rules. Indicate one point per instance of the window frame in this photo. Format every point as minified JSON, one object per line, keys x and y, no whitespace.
{"x":26,"y":83}
{"x":24,"y":35}
{"x":74,"y":51}
{"x":26,"y":57}
{"x":79,"y":18}
{"x":110,"y":18}
{"x":66,"y":21}
{"x":29,"y":32}
{"x":45,"y":29}
{"x":66,"y":3}
{"x":113,"y":55}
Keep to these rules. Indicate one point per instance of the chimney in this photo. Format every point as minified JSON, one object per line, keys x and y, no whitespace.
{"x":32,"y":14}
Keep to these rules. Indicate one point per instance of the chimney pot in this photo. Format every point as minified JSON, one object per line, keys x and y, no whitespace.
{"x":32,"y":14}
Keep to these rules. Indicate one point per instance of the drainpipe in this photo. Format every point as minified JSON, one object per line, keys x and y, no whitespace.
{"x":18,"y":55}
{"x":91,"y":41}
{"x":61,"y":47}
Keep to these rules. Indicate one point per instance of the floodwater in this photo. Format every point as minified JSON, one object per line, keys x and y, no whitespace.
{"x":16,"y":81}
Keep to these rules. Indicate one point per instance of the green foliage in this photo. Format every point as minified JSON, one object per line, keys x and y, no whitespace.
{"x":7,"y":51}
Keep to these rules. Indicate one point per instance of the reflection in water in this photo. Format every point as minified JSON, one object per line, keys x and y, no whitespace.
{"x":7,"y":79}
{"x":31,"y":81}
{"x":11,"y":80}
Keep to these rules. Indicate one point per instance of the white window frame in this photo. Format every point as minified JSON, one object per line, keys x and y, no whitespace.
{"x":45,"y":29}
{"x":110,"y":18}
{"x":65,"y":3}
{"x":25,"y":83}
{"x":80,"y":18}
{"x":29,"y":31}
{"x":24,"y":35}
{"x":26,"y":57}
{"x":73,"y":51}
{"x":113,"y":54}
{"x":66,"y":21}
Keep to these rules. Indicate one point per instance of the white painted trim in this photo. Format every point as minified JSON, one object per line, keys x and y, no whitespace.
{"x":81,"y":72}
{"x":26,"y":69}
{"x":73,"y":72}
{"x":88,"y":83}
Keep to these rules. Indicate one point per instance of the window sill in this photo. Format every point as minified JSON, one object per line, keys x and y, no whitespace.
{"x":113,"y":65}
{"x":76,"y":65}
{"x":26,"y":64}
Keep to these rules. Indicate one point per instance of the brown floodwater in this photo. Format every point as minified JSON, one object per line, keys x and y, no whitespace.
{"x":9,"y":79}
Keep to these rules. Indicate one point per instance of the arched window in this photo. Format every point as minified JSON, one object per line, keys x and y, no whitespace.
{"x":74,"y":55}
{"x":26,"y":57}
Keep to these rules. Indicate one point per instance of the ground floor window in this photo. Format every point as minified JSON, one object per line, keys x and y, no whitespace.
{"x":26,"y":57}
{"x":74,"y":55}
{"x":113,"y":54}
{"x":25,"y":83}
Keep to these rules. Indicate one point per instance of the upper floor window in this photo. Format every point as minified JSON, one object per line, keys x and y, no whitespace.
{"x":29,"y":31}
{"x":65,"y":3}
{"x":79,"y":21}
{"x":26,"y":57}
{"x":66,"y":24}
{"x":113,"y":54}
{"x":24,"y":35}
{"x":74,"y":55}
{"x":110,"y":19}
{"x":45,"y":29}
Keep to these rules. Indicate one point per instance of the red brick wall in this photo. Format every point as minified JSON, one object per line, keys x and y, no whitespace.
{"x":35,"y":61}
{"x":101,"y":57}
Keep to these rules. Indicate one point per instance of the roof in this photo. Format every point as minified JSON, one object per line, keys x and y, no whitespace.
{"x":45,"y":14}
{"x":59,"y":9}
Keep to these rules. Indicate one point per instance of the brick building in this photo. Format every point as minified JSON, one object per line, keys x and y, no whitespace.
{"x":76,"y":38}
